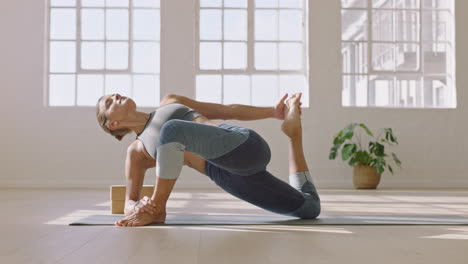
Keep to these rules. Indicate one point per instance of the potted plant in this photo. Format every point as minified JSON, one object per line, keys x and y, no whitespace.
{"x":369,"y":163}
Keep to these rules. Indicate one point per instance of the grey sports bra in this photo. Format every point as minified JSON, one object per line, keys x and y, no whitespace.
{"x":150,"y":134}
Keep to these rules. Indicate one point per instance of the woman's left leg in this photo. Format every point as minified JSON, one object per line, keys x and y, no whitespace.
{"x":236,"y":149}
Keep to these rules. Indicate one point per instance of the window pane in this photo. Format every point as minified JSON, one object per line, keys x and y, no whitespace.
{"x":346,"y":92}
{"x":408,"y":4}
{"x":383,"y":4}
{"x":117,"y":3}
{"x":90,"y":89}
{"x":409,"y":93}
{"x":62,"y":2}
{"x":92,"y":24}
{"x":266,"y":25}
{"x":383,"y":57}
{"x":235,"y":25}
{"x":210,"y":3}
{"x":266,"y":3}
{"x":235,"y":55}
{"x":435,"y":58}
{"x":290,"y":56}
{"x":354,"y":57}
{"x":92,"y":55}
{"x":290,"y":25}
{"x":353,"y":25}
{"x":62,"y":90}
{"x":62,"y":56}
{"x":382,"y":25}
{"x":360,"y":84}
{"x":93,"y":3}
{"x":210,"y":56}
{"x":382,"y":90}
{"x":145,"y":57}
{"x":438,"y":4}
{"x":295,"y":84}
{"x":354,"y":3}
{"x":407,"y":26}
{"x":117,"y":24}
{"x":266,"y":56}
{"x":146,"y":24}
{"x":62,"y":23}
{"x":147,"y":3}
{"x":407,"y":57}
{"x":209,"y":88}
{"x":146,"y":90}
{"x":236,"y":89}
{"x":117,"y":55}
{"x":264,"y":90}
{"x":120,"y":84}
{"x":437,"y":26}
{"x":210,"y":25}
{"x":439,"y":91}
{"x":235,"y":3}
{"x":290,"y":3}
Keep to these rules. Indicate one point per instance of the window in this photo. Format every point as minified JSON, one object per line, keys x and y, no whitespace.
{"x":99,"y":47}
{"x":251,"y":51}
{"x":398,"y":53}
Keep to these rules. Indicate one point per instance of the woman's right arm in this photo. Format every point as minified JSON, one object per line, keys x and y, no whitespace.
{"x":136,"y":164}
{"x":231,"y":111}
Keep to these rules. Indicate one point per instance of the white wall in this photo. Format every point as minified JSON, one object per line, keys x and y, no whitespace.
{"x":52,"y":147}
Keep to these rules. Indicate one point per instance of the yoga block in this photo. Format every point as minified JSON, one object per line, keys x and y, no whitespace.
{"x":117,"y":195}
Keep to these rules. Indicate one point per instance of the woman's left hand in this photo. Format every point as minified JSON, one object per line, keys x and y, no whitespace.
{"x":279,"y":108}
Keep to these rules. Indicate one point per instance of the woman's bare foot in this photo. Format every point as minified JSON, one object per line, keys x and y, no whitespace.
{"x":131,"y":207}
{"x":292,"y":122}
{"x":142,"y":219}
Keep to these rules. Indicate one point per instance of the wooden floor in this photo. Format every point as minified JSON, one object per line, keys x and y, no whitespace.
{"x":34,"y":230}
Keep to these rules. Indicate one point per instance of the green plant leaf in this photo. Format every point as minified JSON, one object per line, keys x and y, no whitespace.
{"x":390,"y":169}
{"x":363,"y":157}
{"x":349,"y":135}
{"x":352,"y":161}
{"x":380,"y":169}
{"x":348,"y":131}
{"x":371,"y":146}
{"x":347,"y":151}
{"x":332,"y":155}
{"x":395,"y":158}
{"x":379,"y":149}
{"x":366,"y":129}
{"x":337,"y":141}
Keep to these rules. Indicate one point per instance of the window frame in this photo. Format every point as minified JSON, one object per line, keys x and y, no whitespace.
{"x":250,"y":42}
{"x":398,"y":74}
{"x":78,"y":40}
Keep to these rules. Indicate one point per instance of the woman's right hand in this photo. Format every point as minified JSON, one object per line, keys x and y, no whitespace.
{"x":149,"y":206}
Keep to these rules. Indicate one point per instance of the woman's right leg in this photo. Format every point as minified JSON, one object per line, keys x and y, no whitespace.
{"x":299,"y":175}
{"x":298,"y":198}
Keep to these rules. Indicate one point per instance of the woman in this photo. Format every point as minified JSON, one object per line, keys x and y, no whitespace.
{"x":180,"y":132}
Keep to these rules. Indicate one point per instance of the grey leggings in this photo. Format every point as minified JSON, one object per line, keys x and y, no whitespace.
{"x":236,"y":159}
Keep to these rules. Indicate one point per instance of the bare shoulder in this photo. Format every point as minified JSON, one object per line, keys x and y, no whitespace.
{"x":208,"y":110}
{"x":136,"y":152}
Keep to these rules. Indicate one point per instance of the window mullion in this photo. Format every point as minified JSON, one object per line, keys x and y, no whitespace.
{"x":250,"y":35}
{"x":78,"y":48}
{"x":370,"y":67}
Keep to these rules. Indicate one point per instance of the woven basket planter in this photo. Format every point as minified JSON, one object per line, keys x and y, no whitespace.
{"x":365,"y":177}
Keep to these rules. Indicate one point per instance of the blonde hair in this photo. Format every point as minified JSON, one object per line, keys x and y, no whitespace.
{"x":102,"y":120}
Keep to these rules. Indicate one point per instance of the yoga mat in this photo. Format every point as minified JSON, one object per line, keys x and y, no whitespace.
{"x":208,"y":219}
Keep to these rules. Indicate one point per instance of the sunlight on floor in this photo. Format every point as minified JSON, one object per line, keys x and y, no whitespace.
{"x":75,"y":215}
{"x":462,"y":234}
{"x":389,"y":205}
{"x":257,"y":229}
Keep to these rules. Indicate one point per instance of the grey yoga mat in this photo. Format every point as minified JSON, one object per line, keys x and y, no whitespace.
{"x":209,"y":219}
